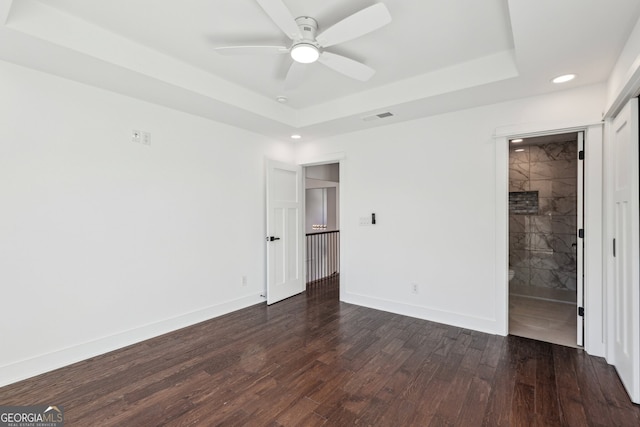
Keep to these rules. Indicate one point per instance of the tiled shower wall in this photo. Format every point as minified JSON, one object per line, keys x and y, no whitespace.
{"x":542,"y":249}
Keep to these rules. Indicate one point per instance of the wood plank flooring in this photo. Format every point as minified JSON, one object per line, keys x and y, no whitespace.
{"x":312,"y":360}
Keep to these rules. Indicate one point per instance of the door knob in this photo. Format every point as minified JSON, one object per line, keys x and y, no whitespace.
{"x":271,"y":238}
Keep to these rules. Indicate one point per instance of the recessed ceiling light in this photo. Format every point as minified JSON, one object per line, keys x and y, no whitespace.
{"x":563,"y":79}
{"x":282,"y":99}
{"x":296,"y":136}
{"x":519,"y":150}
{"x":515,"y":141}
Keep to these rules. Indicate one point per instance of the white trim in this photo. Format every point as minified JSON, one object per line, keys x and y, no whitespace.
{"x":607,"y":240}
{"x":459,"y":320}
{"x":322,"y":159}
{"x":502,"y":235}
{"x":580,"y":243}
{"x":529,"y":130}
{"x":594,"y":320}
{"x":594,"y":288}
{"x":47,"y":362}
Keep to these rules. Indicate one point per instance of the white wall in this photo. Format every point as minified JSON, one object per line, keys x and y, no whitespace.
{"x":627,"y":64}
{"x":105,"y":242}
{"x":432,"y":184}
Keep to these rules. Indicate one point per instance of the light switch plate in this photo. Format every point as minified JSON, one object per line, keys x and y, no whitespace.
{"x":141,"y":137}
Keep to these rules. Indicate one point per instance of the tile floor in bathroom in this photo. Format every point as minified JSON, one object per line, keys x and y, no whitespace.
{"x":543,"y":320}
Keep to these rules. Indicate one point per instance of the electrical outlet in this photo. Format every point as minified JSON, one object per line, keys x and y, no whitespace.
{"x":365,"y":220}
{"x":414,"y":288}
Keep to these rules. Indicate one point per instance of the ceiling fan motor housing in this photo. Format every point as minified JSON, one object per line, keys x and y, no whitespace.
{"x":308,"y":28}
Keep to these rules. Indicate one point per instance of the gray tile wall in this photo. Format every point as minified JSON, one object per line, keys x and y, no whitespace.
{"x":541,"y":247}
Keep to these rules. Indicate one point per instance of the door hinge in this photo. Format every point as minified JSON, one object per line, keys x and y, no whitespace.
{"x":581,"y":233}
{"x":581,"y":155}
{"x":581,"y":311}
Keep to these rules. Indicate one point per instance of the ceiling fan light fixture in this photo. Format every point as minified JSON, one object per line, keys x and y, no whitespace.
{"x":305,"y":53}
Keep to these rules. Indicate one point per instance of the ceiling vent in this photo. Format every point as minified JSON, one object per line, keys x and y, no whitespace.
{"x":378,"y":116}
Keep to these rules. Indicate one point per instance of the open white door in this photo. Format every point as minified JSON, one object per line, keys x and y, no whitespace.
{"x":625,"y":247}
{"x":580,"y":242}
{"x":285,"y":233}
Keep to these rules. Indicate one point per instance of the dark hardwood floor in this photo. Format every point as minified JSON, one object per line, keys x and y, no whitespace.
{"x":312,"y":360}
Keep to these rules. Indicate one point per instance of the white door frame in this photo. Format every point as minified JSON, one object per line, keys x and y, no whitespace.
{"x":580,"y":246}
{"x":325,"y":160}
{"x":594,"y":291}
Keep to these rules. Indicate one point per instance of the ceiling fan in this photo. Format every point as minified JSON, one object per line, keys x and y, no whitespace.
{"x":307,"y":47}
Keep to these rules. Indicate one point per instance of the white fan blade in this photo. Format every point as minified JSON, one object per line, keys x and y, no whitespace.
{"x":348,"y":67}
{"x":356,"y":25}
{"x":251,"y":50}
{"x":295,"y":75}
{"x":283,"y":18}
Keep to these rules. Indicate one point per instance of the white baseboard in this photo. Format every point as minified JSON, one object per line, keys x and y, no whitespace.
{"x":480,"y":324}
{"x":47,"y":362}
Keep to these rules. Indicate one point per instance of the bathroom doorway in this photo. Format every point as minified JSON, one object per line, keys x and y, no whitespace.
{"x":322,"y":227}
{"x":545,"y":250}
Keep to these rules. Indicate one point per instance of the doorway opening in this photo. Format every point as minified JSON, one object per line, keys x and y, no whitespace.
{"x":545,"y":247}
{"x":322,"y":227}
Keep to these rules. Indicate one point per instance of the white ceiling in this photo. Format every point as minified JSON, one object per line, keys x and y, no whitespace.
{"x":434,"y":56}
